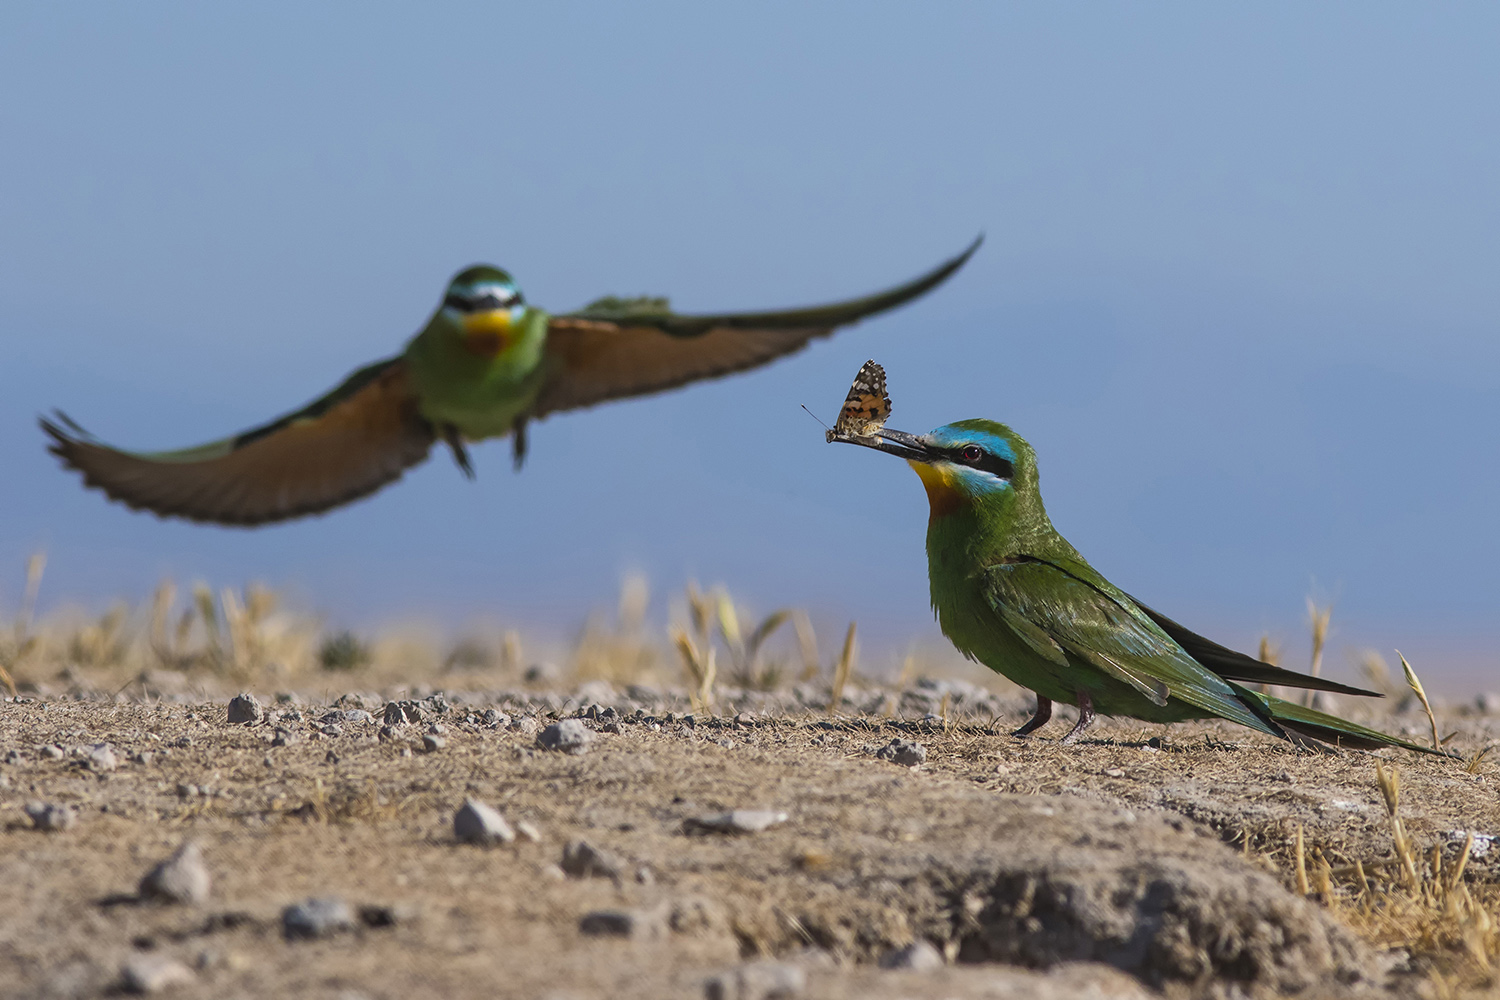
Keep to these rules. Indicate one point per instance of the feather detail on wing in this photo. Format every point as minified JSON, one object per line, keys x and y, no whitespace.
{"x":343,"y":446}
{"x":617,"y":348}
{"x":1103,"y":629}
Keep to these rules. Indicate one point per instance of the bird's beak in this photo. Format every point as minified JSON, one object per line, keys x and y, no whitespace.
{"x":898,"y":443}
{"x":487,"y":333}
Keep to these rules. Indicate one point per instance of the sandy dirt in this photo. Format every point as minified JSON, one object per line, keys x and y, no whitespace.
{"x":1144,"y":861}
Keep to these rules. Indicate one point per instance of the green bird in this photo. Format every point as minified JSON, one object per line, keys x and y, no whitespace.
{"x":1011,"y":593}
{"x":484,"y":365}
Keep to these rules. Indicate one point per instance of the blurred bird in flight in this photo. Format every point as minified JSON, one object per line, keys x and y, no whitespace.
{"x":1011,"y":593}
{"x":485,"y":364}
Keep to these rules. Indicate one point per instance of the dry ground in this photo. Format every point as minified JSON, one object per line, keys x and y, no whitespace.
{"x":1143,"y":861}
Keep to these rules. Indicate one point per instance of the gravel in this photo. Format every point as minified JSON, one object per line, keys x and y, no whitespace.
{"x":51,"y":817}
{"x":181,"y":878}
{"x":243,"y":708}
{"x":477,"y":823}
{"x":569,"y":736}
{"x":102,"y":758}
{"x":581,"y":859}
{"x":316,"y":918}
{"x":620,"y":923}
{"x":145,"y":974}
{"x":736,"y":821}
{"x":918,"y":957}
{"x":758,"y":981}
{"x":907,"y":753}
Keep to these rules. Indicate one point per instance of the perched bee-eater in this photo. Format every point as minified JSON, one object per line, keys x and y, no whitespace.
{"x":1010,"y":592}
{"x":485,"y":364}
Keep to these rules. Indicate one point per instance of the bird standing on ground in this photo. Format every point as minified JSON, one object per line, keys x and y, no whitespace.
{"x":1010,"y":592}
{"x":485,"y":364}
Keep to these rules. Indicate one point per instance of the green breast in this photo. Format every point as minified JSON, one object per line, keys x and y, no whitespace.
{"x":481,"y":397}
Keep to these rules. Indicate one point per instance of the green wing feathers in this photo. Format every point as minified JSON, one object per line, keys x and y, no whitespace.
{"x":1101,"y":629}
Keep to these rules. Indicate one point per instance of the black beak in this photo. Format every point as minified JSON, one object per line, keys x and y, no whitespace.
{"x":898,"y":443}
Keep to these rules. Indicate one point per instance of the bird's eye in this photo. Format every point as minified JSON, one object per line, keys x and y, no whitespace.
{"x":972,"y":453}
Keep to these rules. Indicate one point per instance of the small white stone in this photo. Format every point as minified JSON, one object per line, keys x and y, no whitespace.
{"x":477,"y":823}
{"x":147,"y":974}
{"x":181,"y":878}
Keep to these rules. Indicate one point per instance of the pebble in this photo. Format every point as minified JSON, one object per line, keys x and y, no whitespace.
{"x":432,"y":743}
{"x":758,"y":981}
{"x":569,"y":736}
{"x":1114,"y":772}
{"x":243,"y":708}
{"x":102,"y":758}
{"x":495,"y":720}
{"x":285,"y":738}
{"x":581,"y":859}
{"x":1488,"y":703}
{"x":620,"y":923}
{"x":918,"y":957}
{"x":53,"y":752}
{"x":146,"y":974}
{"x":477,"y":823}
{"x":907,"y":753}
{"x":358,"y":716}
{"x":181,"y":878}
{"x":526,"y":726}
{"x":145,"y":758}
{"x":315,"y":918}
{"x":738,"y":821}
{"x":50,"y":816}
{"x":529,"y":832}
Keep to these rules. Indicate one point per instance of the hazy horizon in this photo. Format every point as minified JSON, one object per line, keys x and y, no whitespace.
{"x":1238,"y":289}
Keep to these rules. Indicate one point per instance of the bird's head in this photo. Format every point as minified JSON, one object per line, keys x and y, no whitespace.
{"x":965,"y":466}
{"x":485,"y":304}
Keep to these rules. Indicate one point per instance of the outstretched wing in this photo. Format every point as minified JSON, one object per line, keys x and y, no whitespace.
{"x":630,"y":347}
{"x":1071,"y":619}
{"x":343,"y":446}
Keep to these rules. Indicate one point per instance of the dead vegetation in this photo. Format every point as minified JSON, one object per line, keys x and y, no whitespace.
{"x":1415,"y":892}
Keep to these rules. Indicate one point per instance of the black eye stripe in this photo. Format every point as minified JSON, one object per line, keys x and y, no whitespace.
{"x":986,"y":462}
{"x":487,"y":300}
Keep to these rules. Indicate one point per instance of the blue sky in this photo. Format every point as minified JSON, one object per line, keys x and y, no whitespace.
{"x":1239,"y":288}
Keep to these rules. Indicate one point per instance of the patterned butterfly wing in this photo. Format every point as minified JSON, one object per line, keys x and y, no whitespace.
{"x":867,"y":406}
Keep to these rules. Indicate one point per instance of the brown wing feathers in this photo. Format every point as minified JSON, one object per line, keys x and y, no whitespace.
{"x":346,"y":445}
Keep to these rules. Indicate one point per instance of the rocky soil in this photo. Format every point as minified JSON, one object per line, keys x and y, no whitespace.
{"x":613,"y":845}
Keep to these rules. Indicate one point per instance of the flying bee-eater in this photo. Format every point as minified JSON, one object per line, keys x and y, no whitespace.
{"x":1011,"y":593}
{"x":485,"y":364}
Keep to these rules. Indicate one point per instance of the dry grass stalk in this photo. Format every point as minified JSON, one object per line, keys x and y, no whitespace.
{"x":1318,"y":618}
{"x":1416,"y":686}
{"x":1303,"y":888}
{"x":699,"y":661}
{"x":842,"y":670}
{"x":807,"y":644}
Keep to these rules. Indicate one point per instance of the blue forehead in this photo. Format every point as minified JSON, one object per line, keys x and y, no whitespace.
{"x":965,"y":433}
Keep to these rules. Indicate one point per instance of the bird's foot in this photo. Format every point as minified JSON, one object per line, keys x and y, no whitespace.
{"x":1043,"y":714}
{"x":1086,"y":719}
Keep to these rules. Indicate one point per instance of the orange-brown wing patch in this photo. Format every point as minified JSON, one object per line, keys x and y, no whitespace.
{"x":591,"y":361}
{"x":346,"y":445}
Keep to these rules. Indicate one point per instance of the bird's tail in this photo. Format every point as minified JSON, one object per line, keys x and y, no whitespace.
{"x":1309,"y":723}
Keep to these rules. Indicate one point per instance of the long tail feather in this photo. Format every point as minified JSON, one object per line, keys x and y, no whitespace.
{"x":1311,"y":723}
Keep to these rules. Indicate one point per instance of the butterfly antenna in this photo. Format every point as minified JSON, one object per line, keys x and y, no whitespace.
{"x":810,"y":413}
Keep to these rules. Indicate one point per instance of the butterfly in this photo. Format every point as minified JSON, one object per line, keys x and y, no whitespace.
{"x":867,"y":406}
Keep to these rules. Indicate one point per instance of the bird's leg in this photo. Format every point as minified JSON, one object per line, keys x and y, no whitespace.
{"x":1086,"y":718}
{"x":1043,"y":713}
{"x":455,"y":444}
{"x":518,"y":443}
